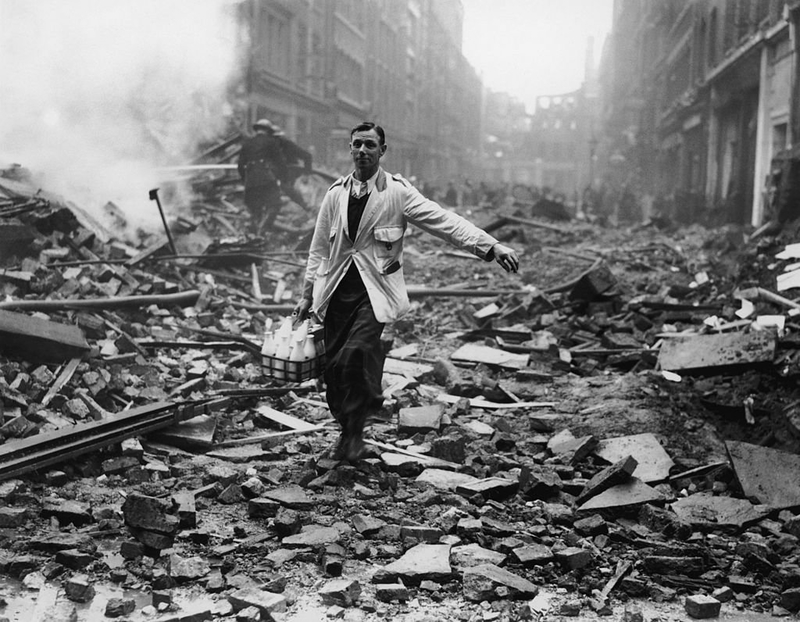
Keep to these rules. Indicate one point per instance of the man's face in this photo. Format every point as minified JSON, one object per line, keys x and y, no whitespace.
{"x":367,"y":150}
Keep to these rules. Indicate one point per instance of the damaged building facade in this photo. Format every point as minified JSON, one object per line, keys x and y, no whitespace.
{"x":318,"y":68}
{"x":697,"y":106}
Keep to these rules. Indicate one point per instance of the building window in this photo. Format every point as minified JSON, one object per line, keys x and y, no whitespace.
{"x":713,"y":27}
{"x":277,"y":44}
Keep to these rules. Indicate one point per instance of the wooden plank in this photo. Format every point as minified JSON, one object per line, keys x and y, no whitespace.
{"x":413,"y":454}
{"x":266,"y":437}
{"x":476,"y":353}
{"x":477,"y":402}
{"x":33,"y":337}
{"x":715,"y":351}
{"x":405,"y":368}
{"x":283,"y":419}
{"x":63,"y":378}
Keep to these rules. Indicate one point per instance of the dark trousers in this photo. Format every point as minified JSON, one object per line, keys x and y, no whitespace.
{"x":355,"y":356}
{"x":264,"y":204}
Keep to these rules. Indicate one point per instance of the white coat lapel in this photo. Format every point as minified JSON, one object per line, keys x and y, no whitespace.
{"x":374,"y":204}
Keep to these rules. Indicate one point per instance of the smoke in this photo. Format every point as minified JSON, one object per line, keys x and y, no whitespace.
{"x":95,"y":95}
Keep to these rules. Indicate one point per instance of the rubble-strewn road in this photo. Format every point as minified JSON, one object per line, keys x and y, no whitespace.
{"x":539,"y":456}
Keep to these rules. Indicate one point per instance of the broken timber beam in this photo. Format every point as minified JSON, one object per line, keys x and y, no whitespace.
{"x":759,"y":293}
{"x":181,"y":299}
{"x":424,"y":292}
{"x":42,"y":339}
{"x":43,"y":450}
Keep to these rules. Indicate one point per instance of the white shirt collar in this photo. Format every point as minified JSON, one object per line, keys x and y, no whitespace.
{"x":356,"y":184}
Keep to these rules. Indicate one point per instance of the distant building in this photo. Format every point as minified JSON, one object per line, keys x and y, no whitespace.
{"x":552,"y":148}
{"x":318,"y":67}
{"x":697,"y":101}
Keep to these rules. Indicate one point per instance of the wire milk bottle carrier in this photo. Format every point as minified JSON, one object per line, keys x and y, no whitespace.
{"x":293,"y":354}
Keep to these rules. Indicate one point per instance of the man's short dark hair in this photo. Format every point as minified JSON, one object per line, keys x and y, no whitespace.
{"x":366,"y":126}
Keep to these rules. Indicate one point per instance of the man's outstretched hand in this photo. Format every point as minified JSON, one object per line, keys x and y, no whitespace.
{"x":506,"y":257}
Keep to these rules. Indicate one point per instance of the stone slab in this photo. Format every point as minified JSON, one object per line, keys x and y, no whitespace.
{"x":476,"y":353}
{"x":632,"y":493}
{"x":405,"y":368}
{"x":197,"y":432}
{"x":469,"y":555}
{"x":445,"y":480}
{"x":765,"y":474}
{"x":653,"y":462}
{"x":422,"y":562}
{"x":705,"y":510}
{"x":481,"y":582}
{"x":717,"y":351}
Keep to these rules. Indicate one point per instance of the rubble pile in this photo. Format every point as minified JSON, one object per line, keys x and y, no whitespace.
{"x":611,"y":431}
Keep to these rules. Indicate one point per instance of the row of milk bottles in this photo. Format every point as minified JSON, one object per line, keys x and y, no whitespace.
{"x":285,"y":349}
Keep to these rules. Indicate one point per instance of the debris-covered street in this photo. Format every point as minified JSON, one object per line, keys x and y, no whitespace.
{"x":610,"y":432}
{"x":403,"y":310}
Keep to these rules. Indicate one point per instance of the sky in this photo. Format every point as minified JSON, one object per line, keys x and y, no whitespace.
{"x":96,"y":94}
{"x":529,"y":48}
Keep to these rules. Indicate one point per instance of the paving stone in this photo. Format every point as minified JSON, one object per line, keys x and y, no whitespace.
{"x":152,"y":540}
{"x":533,"y":555}
{"x":78,"y":589}
{"x":790,"y":599}
{"x":184,"y":569}
{"x":231,"y":494}
{"x":496,"y":488}
{"x":717,"y":351}
{"x":570,"y":449}
{"x":618,"y":473}
{"x":253,"y":487}
{"x":342,"y":592}
{"x":266,"y":602}
{"x":765,"y":474}
{"x":12,"y":517}
{"x":367,"y":526}
{"x":67,"y":512}
{"x":118,"y":607}
{"x":591,"y":525}
{"x":186,"y":509}
{"x":391,"y":592}
{"x":490,"y":582}
{"x":74,"y":559}
{"x":119,"y":464}
{"x":312,"y":536}
{"x":541,"y":482}
{"x":702,"y":606}
{"x":653,"y":462}
{"x":64,"y":541}
{"x":632,"y":493}
{"x":573,"y":557}
{"x":262,"y":508}
{"x":673,"y":564}
{"x":131,"y":549}
{"x":150,"y":514}
{"x":403,"y":465}
{"x":474,"y":554}
{"x":702,"y":510}
{"x":421,"y":562}
{"x":420,"y":419}
{"x":292,"y":497}
{"x":445,"y":480}
{"x":421,"y":533}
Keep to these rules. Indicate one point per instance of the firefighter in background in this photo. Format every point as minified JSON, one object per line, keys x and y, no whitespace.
{"x":294,"y":155}
{"x":261,"y":163}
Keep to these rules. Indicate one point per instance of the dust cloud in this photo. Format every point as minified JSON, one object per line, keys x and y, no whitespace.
{"x":95,"y":95}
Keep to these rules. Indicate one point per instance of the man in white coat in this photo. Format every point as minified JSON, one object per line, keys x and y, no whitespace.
{"x":354,"y":277}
